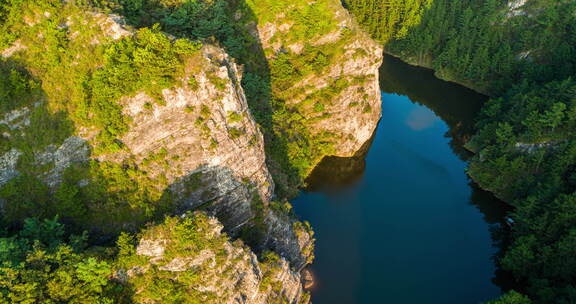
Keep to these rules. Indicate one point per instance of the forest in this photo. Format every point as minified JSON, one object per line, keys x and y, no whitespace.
{"x":523,"y":56}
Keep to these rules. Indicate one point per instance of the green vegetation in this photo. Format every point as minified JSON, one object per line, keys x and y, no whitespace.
{"x":235,"y":132}
{"x":192,"y":235}
{"x":149,"y":60}
{"x":115,"y":194}
{"x":16,"y":88}
{"x":234,"y":117}
{"x":387,"y":20}
{"x":95,"y":75}
{"x":39,"y":265}
{"x":537,"y":177}
{"x":193,"y":83}
{"x":525,"y":58}
{"x":42,"y":263}
{"x":482,"y":43}
{"x":219,"y":83}
{"x":511,"y":297}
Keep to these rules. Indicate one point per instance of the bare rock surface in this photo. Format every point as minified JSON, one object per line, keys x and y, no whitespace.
{"x":8,"y":162}
{"x":291,"y":238}
{"x":73,"y":150}
{"x":15,"y":47}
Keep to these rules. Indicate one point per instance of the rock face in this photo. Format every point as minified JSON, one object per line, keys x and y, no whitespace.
{"x":354,"y":112}
{"x":199,"y":138}
{"x":203,"y":129}
{"x":55,"y":157}
{"x":212,"y":150}
{"x":290,"y":238}
{"x":224,"y":271}
{"x":533,"y":147}
{"x":73,"y":150}
{"x":515,"y":8}
{"x":8,"y":162}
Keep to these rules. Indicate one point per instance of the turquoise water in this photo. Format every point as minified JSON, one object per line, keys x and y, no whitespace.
{"x":403,"y":223}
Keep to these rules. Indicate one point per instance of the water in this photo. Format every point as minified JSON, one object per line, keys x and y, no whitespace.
{"x":401,"y":222}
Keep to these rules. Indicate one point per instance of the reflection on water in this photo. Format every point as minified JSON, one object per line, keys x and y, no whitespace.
{"x":400,"y":222}
{"x":456,"y":105}
{"x":338,"y":172}
{"x":421,"y":119}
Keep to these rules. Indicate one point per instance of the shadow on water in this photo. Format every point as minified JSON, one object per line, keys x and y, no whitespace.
{"x":337,"y":172}
{"x":495,"y":212}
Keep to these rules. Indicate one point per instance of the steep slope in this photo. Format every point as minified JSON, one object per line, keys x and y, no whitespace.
{"x":487,"y":45}
{"x":323,"y":79}
{"x":109,"y":127}
{"x":340,"y":95}
{"x":185,"y":259}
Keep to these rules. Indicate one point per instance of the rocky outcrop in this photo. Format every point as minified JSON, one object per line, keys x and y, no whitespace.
{"x":198,"y":139}
{"x":73,"y":150}
{"x":223,"y":271}
{"x":355,"y":109}
{"x":15,"y":47}
{"x":201,"y":139}
{"x":290,"y":238}
{"x":56,"y":157}
{"x":8,"y":162}
{"x":12,"y":123}
{"x":113,"y":26}
{"x":515,"y":8}
{"x":533,"y":147}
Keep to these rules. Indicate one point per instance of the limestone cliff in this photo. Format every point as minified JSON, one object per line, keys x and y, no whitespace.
{"x":203,"y":262}
{"x":341,"y":98}
{"x":213,"y":153}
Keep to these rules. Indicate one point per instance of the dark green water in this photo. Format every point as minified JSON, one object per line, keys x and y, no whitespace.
{"x":403,"y":223}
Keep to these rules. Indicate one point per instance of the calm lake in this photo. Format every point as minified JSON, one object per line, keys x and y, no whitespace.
{"x":402,"y":223}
